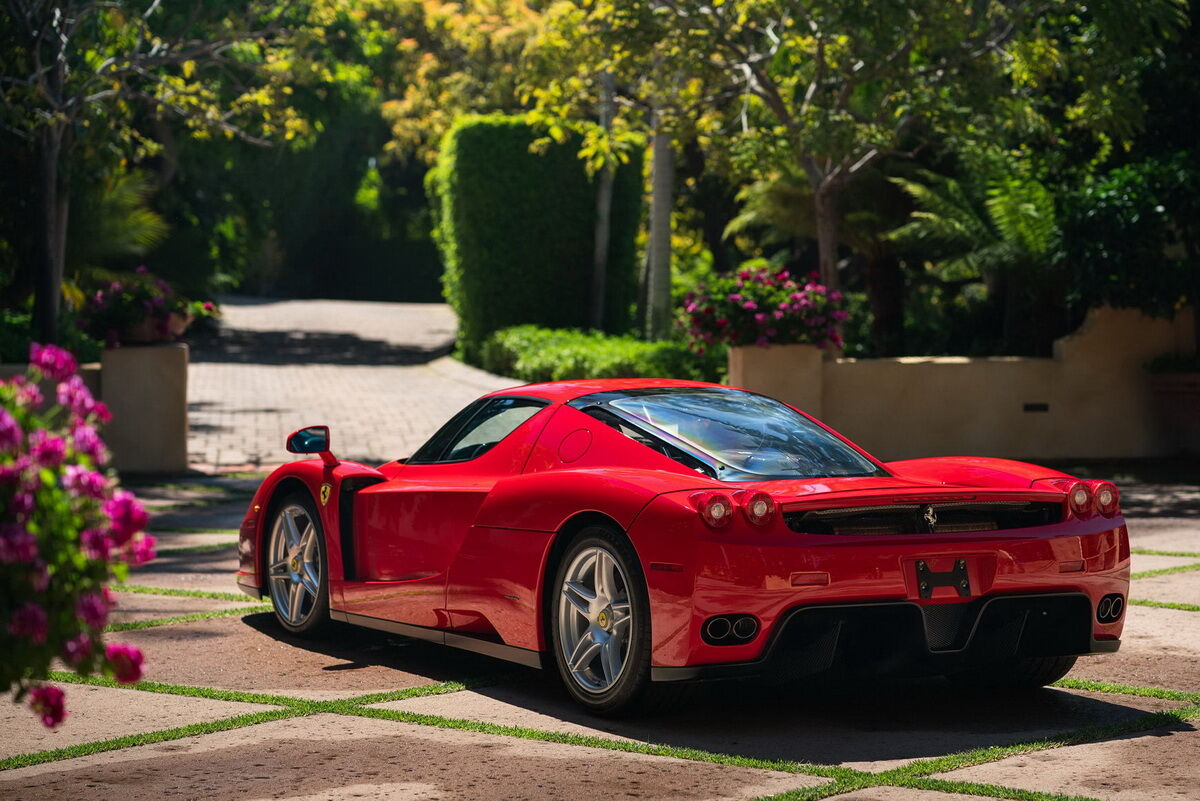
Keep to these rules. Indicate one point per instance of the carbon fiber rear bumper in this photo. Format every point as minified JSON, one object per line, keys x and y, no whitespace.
{"x":906,"y":638}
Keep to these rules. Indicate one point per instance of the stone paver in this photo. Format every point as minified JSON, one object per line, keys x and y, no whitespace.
{"x":1165,"y":533}
{"x":376,"y":373}
{"x":1142,"y":561}
{"x":101,"y":713}
{"x":133,"y":607}
{"x":252,"y":653}
{"x":1159,"y":765}
{"x":211,"y":571}
{"x":1159,"y":648}
{"x":327,"y":756}
{"x":166,"y":541}
{"x":856,"y":728}
{"x":1176,"y":588}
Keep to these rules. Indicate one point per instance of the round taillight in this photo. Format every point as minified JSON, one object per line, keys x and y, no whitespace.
{"x":1108,"y":498}
{"x":716,"y":509}
{"x":759,"y":508}
{"x":1079,"y":499}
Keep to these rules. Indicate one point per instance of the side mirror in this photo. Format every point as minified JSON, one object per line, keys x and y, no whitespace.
{"x":313,"y":439}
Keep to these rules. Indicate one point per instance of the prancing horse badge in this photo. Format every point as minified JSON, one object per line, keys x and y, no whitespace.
{"x":325,"y":490}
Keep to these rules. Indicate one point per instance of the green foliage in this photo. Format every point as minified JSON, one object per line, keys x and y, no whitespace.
{"x":16,"y":332}
{"x":1175,"y":363}
{"x":1130,"y":236}
{"x":530,"y":353}
{"x":516,"y":230}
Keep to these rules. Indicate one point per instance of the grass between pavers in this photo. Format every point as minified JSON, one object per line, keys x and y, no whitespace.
{"x":216,"y":596}
{"x":212,"y":546}
{"x":1152,"y":552}
{"x":166,"y":621}
{"x":1165,"y":605}
{"x":1165,"y":571}
{"x":916,"y":774}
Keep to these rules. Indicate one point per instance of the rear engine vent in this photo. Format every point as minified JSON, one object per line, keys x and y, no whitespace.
{"x":928,"y":518}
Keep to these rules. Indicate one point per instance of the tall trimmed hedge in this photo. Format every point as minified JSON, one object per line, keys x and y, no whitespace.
{"x":516,"y":230}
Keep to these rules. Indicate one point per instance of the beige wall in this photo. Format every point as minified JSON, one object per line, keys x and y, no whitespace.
{"x":1095,"y":387}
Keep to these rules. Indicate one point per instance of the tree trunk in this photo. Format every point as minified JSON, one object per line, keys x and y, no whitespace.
{"x":658,"y":283}
{"x":825,"y":209}
{"x":53,"y":205}
{"x":885,"y":295}
{"x":604,"y":195}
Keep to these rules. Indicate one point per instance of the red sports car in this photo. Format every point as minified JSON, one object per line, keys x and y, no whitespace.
{"x":644,"y":531}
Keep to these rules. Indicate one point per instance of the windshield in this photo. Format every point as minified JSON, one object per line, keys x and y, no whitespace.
{"x":748,"y":437}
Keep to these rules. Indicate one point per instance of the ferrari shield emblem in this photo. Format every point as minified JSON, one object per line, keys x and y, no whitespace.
{"x":325,"y":490}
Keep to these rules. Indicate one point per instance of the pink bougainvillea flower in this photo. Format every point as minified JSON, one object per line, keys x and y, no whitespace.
{"x":77,"y":649}
{"x":84,"y":483}
{"x":125,"y":661}
{"x":778,"y":314}
{"x":21,"y":505}
{"x":761,"y":342}
{"x":46,"y":449}
{"x":760,"y":318}
{"x":29,"y":621}
{"x":95,"y":544}
{"x":140,"y":550}
{"x":749,"y":305}
{"x":54,"y":362}
{"x":14,"y":472}
{"x":85,"y":440}
{"x":10,"y":432}
{"x":92,"y":609}
{"x":734,"y":298}
{"x":39,"y":578}
{"x":17,"y":546}
{"x":126,"y":516}
{"x":47,"y":703}
{"x":74,"y":395}
{"x":29,"y":396}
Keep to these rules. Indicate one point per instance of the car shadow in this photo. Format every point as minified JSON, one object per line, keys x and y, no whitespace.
{"x":241,"y":346}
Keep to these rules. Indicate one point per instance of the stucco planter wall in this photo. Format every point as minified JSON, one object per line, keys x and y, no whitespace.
{"x":788,"y":372}
{"x":1177,"y":399}
{"x":145,"y":388}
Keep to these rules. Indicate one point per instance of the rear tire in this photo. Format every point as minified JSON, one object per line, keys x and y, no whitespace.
{"x":297,"y":567}
{"x":1024,"y":673}
{"x":599,"y":620}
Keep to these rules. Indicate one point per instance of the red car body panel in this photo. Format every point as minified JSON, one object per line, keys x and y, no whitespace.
{"x":464,"y":548}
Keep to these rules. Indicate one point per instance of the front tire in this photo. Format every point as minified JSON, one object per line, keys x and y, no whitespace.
{"x":600,"y":622}
{"x":297,"y":567}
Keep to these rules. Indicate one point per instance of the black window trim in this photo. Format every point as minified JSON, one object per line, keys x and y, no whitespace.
{"x":636,"y":425}
{"x":480,"y":404}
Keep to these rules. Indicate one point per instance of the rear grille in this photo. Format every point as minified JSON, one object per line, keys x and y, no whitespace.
{"x":947,"y":518}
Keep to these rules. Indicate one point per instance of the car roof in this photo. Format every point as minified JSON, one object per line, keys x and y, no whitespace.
{"x":563,"y":391}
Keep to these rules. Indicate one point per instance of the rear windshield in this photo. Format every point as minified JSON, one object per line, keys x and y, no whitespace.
{"x":747,"y":437}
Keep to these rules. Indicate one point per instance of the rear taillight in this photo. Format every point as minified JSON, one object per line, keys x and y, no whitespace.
{"x":1108,"y":498}
{"x":759,"y":508}
{"x":716,"y":508}
{"x":1079,"y":499}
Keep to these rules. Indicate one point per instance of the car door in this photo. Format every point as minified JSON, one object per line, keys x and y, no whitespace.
{"x":408,"y":530}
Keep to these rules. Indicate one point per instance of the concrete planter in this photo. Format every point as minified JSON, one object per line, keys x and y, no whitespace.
{"x":146,"y":391}
{"x":787,"y":372}
{"x":1177,"y":400}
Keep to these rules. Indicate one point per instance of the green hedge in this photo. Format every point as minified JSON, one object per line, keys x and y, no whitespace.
{"x":516,"y":231}
{"x":530,"y":353}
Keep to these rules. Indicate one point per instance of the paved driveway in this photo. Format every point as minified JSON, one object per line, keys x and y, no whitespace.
{"x":234,"y":708}
{"x":377,"y":373}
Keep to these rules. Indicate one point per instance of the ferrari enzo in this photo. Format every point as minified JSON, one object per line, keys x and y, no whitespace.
{"x":630,"y":533}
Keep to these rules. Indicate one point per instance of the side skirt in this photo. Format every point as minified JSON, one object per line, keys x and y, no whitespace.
{"x":511,"y":653}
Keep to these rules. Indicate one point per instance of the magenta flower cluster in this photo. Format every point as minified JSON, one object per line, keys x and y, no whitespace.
{"x":139,"y":305}
{"x":763,"y":306}
{"x":67,"y":530}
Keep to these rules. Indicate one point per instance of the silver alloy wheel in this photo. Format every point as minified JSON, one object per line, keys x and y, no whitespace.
{"x":294,"y":566}
{"x":594,"y":619}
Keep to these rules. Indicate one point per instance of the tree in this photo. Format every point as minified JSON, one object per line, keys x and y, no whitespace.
{"x":835,"y":86}
{"x":81,"y":71}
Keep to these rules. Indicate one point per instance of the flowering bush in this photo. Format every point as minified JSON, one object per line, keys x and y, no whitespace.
{"x":761,"y":306}
{"x":141,"y":307}
{"x":67,"y":530}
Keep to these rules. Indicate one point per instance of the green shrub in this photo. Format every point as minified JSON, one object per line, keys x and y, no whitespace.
{"x":16,"y":332}
{"x":529,"y":353}
{"x":516,"y":231}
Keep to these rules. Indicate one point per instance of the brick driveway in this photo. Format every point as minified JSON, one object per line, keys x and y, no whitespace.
{"x":377,"y":373}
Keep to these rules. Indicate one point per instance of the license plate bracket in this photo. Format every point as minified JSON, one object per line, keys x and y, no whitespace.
{"x":956,"y":577}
